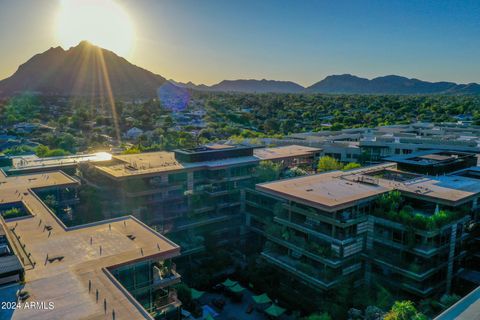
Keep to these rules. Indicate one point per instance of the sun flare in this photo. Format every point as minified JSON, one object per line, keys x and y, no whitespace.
{"x":101,"y":22}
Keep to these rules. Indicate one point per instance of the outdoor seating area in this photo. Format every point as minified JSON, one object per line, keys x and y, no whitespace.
{"x":230,"y":300}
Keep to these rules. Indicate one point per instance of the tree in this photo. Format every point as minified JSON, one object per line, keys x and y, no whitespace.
{"x":295,"y":172}
{"x":268,"y":171}
{"x":404,"y":310}
{"x":51,"y":202}
{"x":351,"y":165}
{"x":66,"y":141}
{"x":132,"y":150}
{"x":327,"y":163}
{"x":318,"y":316}
{"x":43,"y":152}
{"x":185,"y":295}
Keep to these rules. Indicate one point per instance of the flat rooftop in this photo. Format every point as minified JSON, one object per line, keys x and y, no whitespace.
{"x":326,"y":191}
{"x":467,"y":308}
{"x":219,"y":146}
{"x":430,"y":157}
{"x":152,"y":163}
{"x":335,"y":190}
{"x":66,"y":282}
{"x":278,"y":153}
{"x":31,"y":162}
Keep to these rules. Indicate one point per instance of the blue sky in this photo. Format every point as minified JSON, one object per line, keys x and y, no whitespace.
{"x":304,"y":41}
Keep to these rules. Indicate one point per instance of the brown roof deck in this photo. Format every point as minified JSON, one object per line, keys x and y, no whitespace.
{"x":436,"y":157}
{"x":153,"y":163}
{"x":336,"y":190}
{"x":327,"y":191}
{"x":219,"y":146}
{"x":278,"y":153}
{"x":65,"y":283}
{"x":142,"y":163}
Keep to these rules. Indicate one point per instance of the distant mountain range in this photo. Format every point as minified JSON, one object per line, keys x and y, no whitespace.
{"x":342,"y":84}
{"x":248,"y":86}
{"x":88,"y":70}
{"x":84,"y":70}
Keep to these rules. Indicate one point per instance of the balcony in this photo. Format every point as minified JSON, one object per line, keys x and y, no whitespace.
{"x":218,"y":191}
{"x":423,"y":250}
{"x":422,"y":290}
{"x":308,"y":252}
{"x":317,"y":232}
{"x":214,"y":191}
{"x":189,"y":243}
{"x":166,"y":306}
{"x":301,"y":270}
{"x":415,"y":270}
{"x":202,"y":220}
{"x":164,"y":276}
{"x":343,"y":221}
{"x":203,"y":209}
{"x":136,"y":190}
{"x":260,"y":206}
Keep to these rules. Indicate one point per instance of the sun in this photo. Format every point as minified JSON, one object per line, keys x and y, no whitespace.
{"x":101,"y":22}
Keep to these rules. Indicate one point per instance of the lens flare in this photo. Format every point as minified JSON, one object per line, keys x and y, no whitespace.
{"x":101,"y":22}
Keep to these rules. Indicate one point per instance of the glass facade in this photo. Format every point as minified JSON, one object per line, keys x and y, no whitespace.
{"x":149,"y":282}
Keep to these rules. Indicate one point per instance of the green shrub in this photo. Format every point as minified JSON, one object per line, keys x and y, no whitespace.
{"x":13,"y":213}
{"x":388,"y":206}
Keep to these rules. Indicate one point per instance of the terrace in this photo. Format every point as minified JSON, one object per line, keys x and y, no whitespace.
{"x":68,"y":265}
{"x":390,"y":206}
{"x":286,"y":152}
{"x":32,"y":163}
{"x":154,"y":163}
{"x":330,"y":192}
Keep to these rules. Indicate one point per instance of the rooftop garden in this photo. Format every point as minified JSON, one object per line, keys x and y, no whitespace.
{"x":74,"y":208}
{"x":13,"y":212}
{"x":391,"y":206}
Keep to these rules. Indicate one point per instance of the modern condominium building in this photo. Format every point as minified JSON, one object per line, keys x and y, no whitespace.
{"x":434,"y":162}
{"x":112,"y":269}
{"x":374,"y":144}
{"x":188,"y":194}
{"x":377,"y":223}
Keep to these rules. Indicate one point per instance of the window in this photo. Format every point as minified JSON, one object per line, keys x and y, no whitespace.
{"x":397,"y":236}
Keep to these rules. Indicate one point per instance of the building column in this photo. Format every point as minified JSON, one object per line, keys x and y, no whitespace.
{"x":451,"y":256}
{"x":190,"y":181}
{"x":242,"y":200}
{"x":368,"y":248}
{"x":164,"y":178}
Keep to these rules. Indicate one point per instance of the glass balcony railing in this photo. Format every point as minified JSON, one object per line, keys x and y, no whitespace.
{"x":308,"y":272}
{"x":165,"y":276}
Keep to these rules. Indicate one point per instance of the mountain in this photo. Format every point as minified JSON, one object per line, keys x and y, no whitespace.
{"x":341,"y":84}
{"x":88,"y":70}
{"x":190,"y":85}
{"x":257,"y":86}
{"x":248,"y":86}
{"x":84,"y":70}
{"x":392,"y":84}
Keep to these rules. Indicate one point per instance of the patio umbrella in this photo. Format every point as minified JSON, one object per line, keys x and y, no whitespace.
{"x":196,"y":294}
{"x":262,"y":299}
{"x":274,"y":310}
{"x":229,"y":283}
{"x":236,"y":288}
{"x":209,"y":317}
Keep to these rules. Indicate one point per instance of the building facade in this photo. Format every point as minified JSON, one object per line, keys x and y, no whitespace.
{"x":189,"y":194}
{"x":375,"y":224}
